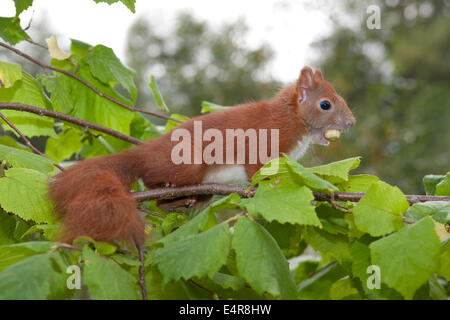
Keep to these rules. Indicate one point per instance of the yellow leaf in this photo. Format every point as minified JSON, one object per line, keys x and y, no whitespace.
{"x":55,"y":51}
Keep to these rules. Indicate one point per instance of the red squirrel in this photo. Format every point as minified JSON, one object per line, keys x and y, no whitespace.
{"x":93,"y":198}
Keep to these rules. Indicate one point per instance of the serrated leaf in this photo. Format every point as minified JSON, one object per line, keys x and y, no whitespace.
{"x":443,"y":187}
{"x":24,"y":193}
{"x":12,"y":253}
{"x":439,"y":210}
{"x":285,"y":202}
{"x":209,"y":107}
{"x":197,"y":256}
{"x":128,"y":3}
{"x":260,"y":261}
{"x":54,"y":49}
{"x":157,"y":95}
{"x":105,"y":66}
{"x":22,"y":5}
{"x":27,"y":91}
{"x":172,"y":221}
{"x":79,"y":48}
{"x":37,"y":277}
{"x":10,"y":30}
{"x":408,"y":258}
{"x":106,"y":279}
{"x":10,"y":73}
{"x":332,"y":245}
{"x":337,"y":171}
{"x":379,"y":211}
{"x":23,"y":159}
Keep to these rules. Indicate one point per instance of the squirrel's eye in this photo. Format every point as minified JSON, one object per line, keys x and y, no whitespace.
{"x":325,"y":105}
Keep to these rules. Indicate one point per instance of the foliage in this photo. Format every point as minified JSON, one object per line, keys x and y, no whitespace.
{"x":248,"y":254}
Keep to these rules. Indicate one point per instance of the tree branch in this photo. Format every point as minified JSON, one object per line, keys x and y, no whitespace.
{"x":28,"y":142}
{"x":223,"y":189}
{"x":65,"y":117}
{"x":87,"y":84}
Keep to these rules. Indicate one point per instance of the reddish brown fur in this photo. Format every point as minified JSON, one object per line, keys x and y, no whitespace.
{"x":93,"y":196}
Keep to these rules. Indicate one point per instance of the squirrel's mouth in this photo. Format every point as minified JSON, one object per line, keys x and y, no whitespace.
{"x":325,"y":136}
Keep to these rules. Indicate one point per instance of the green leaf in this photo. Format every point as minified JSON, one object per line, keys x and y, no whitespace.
{"x":379,"y":211}
{"x":443,"y":187}
{"x":27,"y":91}
{"x":359,"y":183}
{"x":10,"y":30}
{"x":208,"y":107}
{"x":172,"y":221}
{"x":23,"y":159}
{"x":288,"y":167}
{"x":86,"y":104}
{"x":332,"y":220}
{"x":13,"y":253}
{"x":342,"y":288}
{"x":79,"y":48}
{"x":7,"y":228}
{"x":157,"y":95}
{"x":24,"y":193}
{"x":202,"y":220}
{"x":50,"y":231}
{"x":105,"y":66}
{"x":197,"y":256}
{"x":170,"y":124}
{"x":128,"y":3}
{"x":260,"y":261}
{"x":305,"y":269}
{"x":285,"y":202}
{"x":408,"y":258}
{"x":37,"y":277}
{"x":332,"y":245}
{"x":336,"y":171}
{"x":227,"y":281}
{"x":317,"y":287}
{"x":64,"y":145}
{"x":444,"y":269}
{"x":439,"y":210}
{"x":430,"y":181}
{"x":22,"y":5}
{"x":106,"y":280}
{"x":10,"y":73}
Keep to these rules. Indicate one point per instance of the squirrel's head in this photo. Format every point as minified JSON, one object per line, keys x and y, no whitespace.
{"x":321,"y":108}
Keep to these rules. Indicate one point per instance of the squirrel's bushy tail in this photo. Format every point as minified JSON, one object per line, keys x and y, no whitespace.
{"x":93,"y":199}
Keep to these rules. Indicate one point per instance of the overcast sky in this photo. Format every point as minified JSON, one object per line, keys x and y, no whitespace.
{"x":289,"y":26}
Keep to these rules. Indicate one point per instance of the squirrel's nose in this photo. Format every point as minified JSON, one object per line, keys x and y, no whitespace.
{"x":350,"y":122}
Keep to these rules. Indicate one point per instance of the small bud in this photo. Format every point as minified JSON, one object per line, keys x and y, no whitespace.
{"x":332,"y":135}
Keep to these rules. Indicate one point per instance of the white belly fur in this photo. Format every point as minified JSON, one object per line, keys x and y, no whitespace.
{"x":300,"y":148}
{"x":226,"y":174}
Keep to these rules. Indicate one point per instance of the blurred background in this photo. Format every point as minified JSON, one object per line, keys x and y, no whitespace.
{"x":395,"y":79}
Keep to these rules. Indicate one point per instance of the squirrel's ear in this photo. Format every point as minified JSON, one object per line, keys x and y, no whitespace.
{"x":306,"y":78}
{"x":304,"y":83}
{"x":318,"y":76}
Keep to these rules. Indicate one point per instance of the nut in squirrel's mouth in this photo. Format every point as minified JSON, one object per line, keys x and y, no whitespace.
{"x":325,"y":136}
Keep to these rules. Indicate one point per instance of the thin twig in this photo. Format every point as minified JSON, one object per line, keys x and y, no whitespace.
{"x":87,"y":84}
{"x":36,"y":43}
{"x":141,"y":281}
{"x":151,"y":213}
{"x":65,"y":117}
{"x":224,"y":189}
{"x":28,"y":143}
